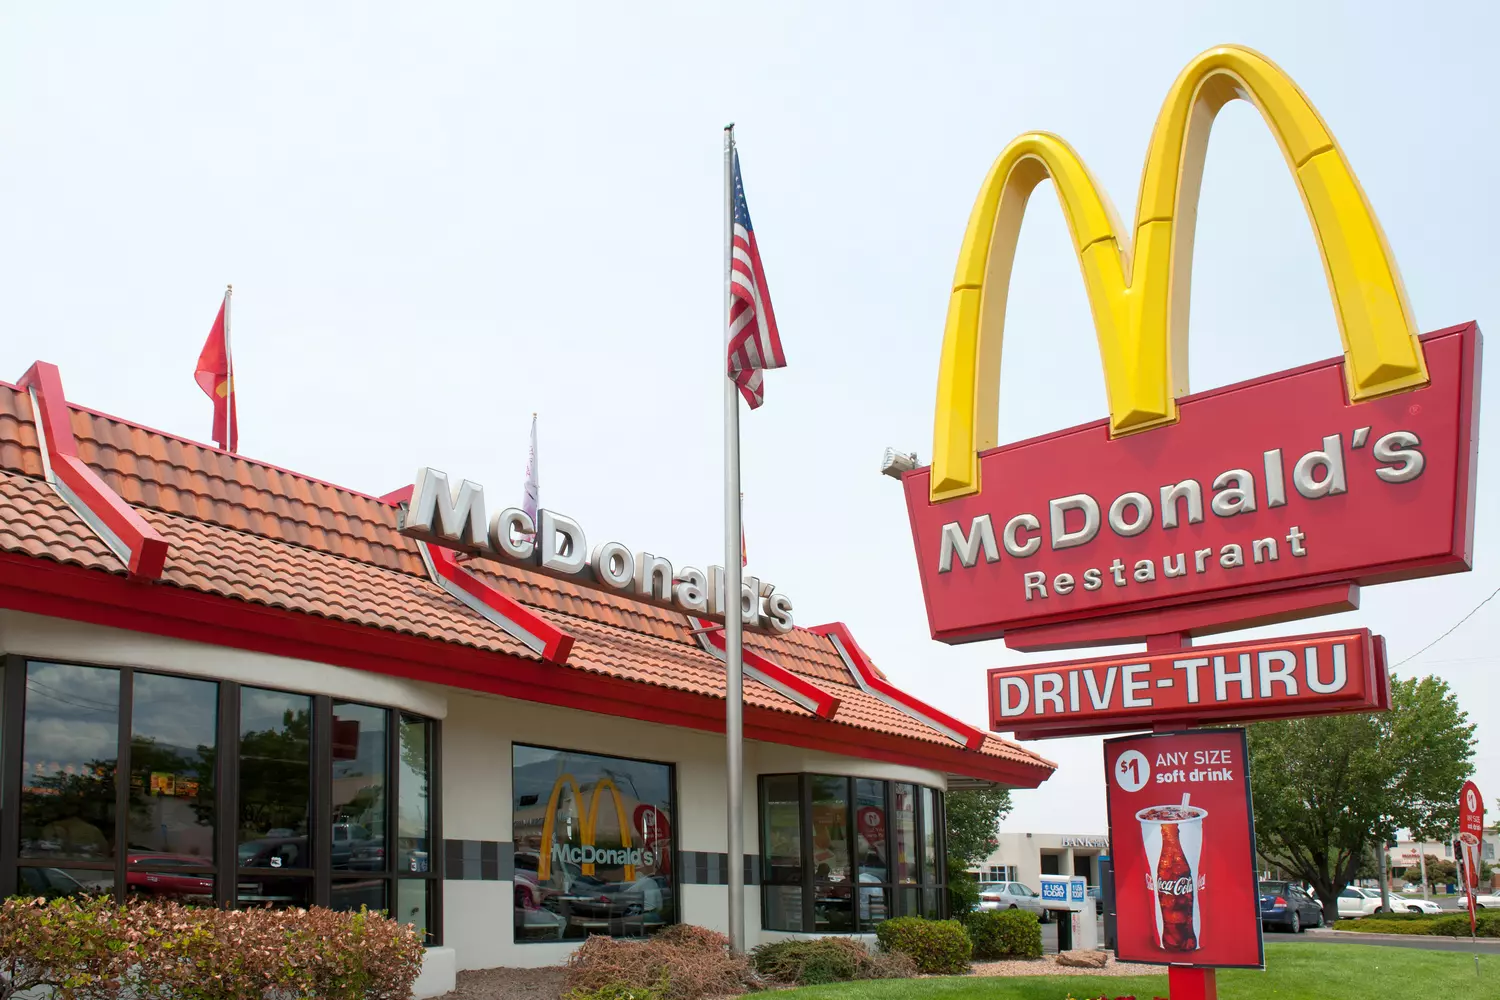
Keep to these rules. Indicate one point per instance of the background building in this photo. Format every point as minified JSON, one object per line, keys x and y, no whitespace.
{"x":1024,"y":857}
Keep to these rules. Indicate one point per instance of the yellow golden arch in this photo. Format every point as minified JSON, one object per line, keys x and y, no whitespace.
{"x":1138,"y":290}
{"x":588,"y":816}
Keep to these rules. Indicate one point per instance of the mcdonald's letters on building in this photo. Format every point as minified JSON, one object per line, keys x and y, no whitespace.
{"x":1264,"y":501}
{"x":1183,"y":842}
{"x":1323,"y":674}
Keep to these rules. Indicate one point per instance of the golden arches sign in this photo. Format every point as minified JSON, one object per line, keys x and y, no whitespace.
{"x":588,"y":816}
{"x":1138,"y":289}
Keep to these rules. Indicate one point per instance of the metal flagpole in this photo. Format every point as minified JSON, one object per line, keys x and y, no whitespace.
{"x":733,"y":709}
{"x":229,"y":407}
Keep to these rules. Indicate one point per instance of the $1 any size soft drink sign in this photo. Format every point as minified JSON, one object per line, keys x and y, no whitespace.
{"x":1181,"y":832}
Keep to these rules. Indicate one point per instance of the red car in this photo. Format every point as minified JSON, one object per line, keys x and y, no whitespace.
{"x":163,"y":875}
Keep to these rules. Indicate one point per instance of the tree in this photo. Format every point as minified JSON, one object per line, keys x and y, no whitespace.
{"x":1327,"y":789}
{"x":973,"y":821}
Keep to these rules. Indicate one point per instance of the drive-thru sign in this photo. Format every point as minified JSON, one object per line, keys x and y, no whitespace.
{"x":1184,"y":515}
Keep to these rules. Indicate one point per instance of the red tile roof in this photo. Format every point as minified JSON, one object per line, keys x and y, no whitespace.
{"x":249,"y":532}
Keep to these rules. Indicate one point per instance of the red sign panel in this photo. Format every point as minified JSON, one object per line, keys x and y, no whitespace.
{"x":1269,"y":487}
{"x":1471,"y":813}
{"x":1183,"y":843}
{"x":1234,"y":682}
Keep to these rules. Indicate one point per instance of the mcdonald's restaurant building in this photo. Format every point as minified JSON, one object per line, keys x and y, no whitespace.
{"x":225,"y":683}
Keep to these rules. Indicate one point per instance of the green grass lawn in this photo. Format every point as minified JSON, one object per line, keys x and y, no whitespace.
{"x":1293,"y":972}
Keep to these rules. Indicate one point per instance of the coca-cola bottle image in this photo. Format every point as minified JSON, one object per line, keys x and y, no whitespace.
{"x":1173,"y":837}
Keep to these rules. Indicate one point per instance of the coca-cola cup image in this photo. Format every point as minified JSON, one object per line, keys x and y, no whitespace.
{"x":1173,"y":836}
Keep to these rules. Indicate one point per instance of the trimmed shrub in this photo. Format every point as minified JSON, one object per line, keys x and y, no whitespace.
{"x":1487,"y":924}
{"x":827,"y":960}
{"x":93,"y":950}
{"x":680,"y":963}
{"x":936,"y":946}
{"x":1005,"y":934}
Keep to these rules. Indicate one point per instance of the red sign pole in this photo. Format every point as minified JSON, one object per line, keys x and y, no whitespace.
{"x":1184,"y":983}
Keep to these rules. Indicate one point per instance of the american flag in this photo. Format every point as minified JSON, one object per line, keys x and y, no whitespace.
{"x":754,"y":343}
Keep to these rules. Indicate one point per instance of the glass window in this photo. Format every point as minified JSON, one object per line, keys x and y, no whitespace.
{"x":280,"y":891}
{"x":593,"y":845}
{"x":906,"y":833}
{"x":866,"y":865}
{"x":72,"y":749}
{"x":275,"y":779}
{"x":414,"y":822}
{"x":411,"y":905}
{"x":351,"y":894}
{"x":173,"y":735}
{"x":53,"y":883}
{"x":357,"y":840}
{"x":929,"y":837}
{"x":781,"y":840}
{"x":833,"y":899}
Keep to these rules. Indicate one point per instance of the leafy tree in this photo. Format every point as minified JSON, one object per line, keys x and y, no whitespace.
{"x":1327,"y":789}
{"x":973,"y":821}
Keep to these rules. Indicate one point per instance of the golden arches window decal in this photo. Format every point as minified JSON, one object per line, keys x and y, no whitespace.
{"x":1138,"y":288}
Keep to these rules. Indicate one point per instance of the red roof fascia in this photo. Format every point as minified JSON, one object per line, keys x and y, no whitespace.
{"x":794,"y":687}
{"x":138,"y":545}
{"x":871,"y":681}
{"x":70,"y":592}
{"x":508,"y":615}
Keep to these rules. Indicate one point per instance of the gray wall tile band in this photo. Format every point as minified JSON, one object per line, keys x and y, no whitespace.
{"x":479,"y":860}
{"x":712,"y":868}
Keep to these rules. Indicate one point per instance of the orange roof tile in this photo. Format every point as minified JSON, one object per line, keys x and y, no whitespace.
{"x":251,"y":532}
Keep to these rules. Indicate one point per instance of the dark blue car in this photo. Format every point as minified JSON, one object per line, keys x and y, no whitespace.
{"x":1286,"y":907}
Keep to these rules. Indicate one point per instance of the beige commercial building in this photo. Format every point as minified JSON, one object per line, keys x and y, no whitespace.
{"x":1025,"y":857}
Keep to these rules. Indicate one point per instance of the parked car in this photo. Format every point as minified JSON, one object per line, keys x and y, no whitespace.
{"x":1483,"y":899}
{"x":1355,"y":903}
{"x":1285,"y":905}
{"x":1413,"y":904}
{"x":1012,"y":896}
{"x":164,"y":875}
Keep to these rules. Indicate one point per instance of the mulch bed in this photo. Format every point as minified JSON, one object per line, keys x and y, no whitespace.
{"x":508,"y":984}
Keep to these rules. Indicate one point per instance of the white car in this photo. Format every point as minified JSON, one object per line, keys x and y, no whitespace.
{"x":1412,"y":904}
{"x":1484,"y":899}
{"x":1011,"y":896}
{"x":1353,"y":903}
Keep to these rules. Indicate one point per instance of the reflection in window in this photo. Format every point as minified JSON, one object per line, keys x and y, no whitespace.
{"x":869,"y":840}
{"x":906,"y":833}
{"x":351,"y":895}
{"x":870,"y":848}
{"x":358,"y":835}
{"x":593,"y":845}
{"x":54,"y":883}
{"x":411,"y":905}
{"x":781,"y":840}
{"x":155,"y":876}
{"x":833,"y":898}
{"x":929,"y":837}
{"x":275,"y":779}
{"x":174,"y":728}
{"x":414,"y":829}
{"x":72,"y":748}
{"x":278,"y":891}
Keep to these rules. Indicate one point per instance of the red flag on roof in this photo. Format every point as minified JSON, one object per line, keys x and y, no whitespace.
{"x":215,"y":375}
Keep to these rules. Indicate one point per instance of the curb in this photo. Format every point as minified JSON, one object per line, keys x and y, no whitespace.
{"x":1368,"y":936}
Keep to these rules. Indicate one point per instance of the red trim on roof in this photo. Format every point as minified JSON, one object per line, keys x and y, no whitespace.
{"x":136,"y":543}
{"x":871,"y":681}
{"x":510,"y":616}
{"x":69,"y":592}
{"x":793,"y":686}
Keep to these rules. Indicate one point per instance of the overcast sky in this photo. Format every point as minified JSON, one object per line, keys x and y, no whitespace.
{"x":439,"y":218}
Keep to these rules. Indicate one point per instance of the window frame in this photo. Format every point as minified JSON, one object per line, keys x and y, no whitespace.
{"x":225,"y":869}
{"x":927,"y":881}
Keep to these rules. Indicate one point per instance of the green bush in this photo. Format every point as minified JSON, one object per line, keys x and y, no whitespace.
{"x":1487,"y":925}
{"x":936,"y":946}
{"x":1005,"y":934}
{"x":827,"y":960}
{"x":963,"y":893}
